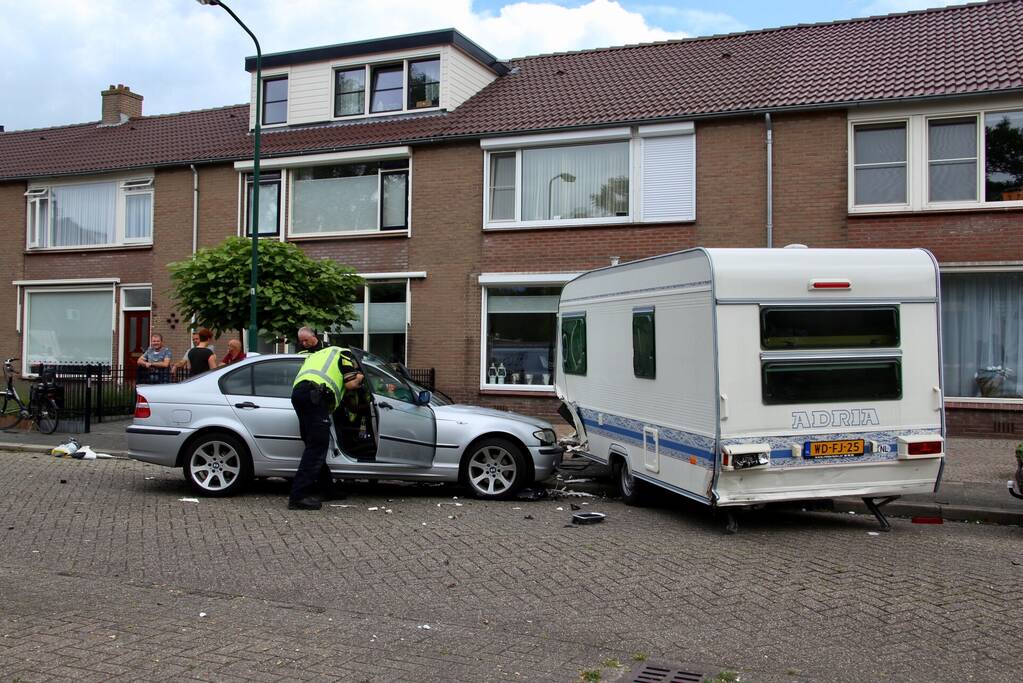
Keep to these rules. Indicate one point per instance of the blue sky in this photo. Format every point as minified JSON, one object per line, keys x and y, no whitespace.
{"x":59,"y":54}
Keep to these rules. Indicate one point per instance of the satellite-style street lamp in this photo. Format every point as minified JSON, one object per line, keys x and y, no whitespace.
{"x":566,"y":177}
{"x":254,"y":204}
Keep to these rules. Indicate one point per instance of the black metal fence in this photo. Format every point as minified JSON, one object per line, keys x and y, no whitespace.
{"x":95,"y":392}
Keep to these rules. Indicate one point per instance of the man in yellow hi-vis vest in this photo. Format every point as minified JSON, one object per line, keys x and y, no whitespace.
{"x":318,"y":389}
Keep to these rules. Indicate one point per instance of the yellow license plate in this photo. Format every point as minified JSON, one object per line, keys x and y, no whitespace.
{"x":827,"y":449}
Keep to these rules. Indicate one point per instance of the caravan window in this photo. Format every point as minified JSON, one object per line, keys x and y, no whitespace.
{"x":644,"y":348}
{"x":812,"y":327}
{"x":831,"y":381}
{"x":573,"y":344}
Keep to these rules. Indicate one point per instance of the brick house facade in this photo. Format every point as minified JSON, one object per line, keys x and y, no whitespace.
{"x":457,"y":269}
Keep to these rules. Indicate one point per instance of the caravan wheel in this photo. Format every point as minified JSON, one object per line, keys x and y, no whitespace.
{"x":629,"y":488}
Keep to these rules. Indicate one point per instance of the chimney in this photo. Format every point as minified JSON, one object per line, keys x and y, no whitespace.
{"x":120,"y":104}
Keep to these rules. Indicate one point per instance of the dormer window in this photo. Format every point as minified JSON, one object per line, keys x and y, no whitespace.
{"x":275,"y":100}
{"x":387,"y":87}
{"x":394,"y":87}
{"x":424,"y":83}
{"x":350,"y":92}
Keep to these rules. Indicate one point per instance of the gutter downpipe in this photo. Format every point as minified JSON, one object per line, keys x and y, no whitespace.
{"x":770,"y":181}
{"x":195,"y":208}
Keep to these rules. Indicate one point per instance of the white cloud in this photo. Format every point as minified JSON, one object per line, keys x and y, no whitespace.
{"x":180,"y":55}
{"x":893,"y":6}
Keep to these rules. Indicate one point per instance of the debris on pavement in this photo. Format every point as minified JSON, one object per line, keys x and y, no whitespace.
{"x":588,"y":517}
{"x":188,"y":500}
{"x":927,"y":520}
{"x":532,"y":494}
{"x":65,"y":449}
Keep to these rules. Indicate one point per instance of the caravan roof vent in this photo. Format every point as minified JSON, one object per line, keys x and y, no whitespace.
{"x":795,"y":246}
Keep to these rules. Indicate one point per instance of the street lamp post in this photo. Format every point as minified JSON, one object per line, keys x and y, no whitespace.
{"x":254,"y":204}
{"x":567,"y":177}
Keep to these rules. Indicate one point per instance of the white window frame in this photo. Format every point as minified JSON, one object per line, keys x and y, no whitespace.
{"x":292,"y":235}
{"x":368,"y":66}
{"x":261,"y":93}
{"x":634,"y":136}
{"x":133,"y":185}
{"x":33,"y":229}
{"x":387,"y":278}
{"x":244,"y":179}
{"x":917,"y":119}
{"x":84,"y":287}
{"x":904,"y":206}
{"x":489,"y":280}
{"x":996,"y":268}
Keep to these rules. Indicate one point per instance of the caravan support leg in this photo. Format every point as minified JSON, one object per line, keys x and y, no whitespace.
{"x":731,"y":524}
{"x":875,"y":507}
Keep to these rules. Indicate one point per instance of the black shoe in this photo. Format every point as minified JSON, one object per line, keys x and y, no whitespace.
{"x":307,"y":503}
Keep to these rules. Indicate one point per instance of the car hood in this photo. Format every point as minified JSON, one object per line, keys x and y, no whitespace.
{"x":462,"y":412}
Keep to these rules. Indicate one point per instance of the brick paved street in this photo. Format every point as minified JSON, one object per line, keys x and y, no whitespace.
{"x":106,"y":576}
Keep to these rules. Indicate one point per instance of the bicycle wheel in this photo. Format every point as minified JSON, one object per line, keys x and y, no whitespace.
{"x":10,"y":413}
{"x":47,"y":417}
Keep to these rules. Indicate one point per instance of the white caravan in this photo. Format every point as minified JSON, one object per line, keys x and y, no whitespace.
{"x":746,"y":376}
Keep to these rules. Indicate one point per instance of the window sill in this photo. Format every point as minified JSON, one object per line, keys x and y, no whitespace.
{"x":596,"y":223}
{"x":78,"y":250}
{"x":378,"y":114}
{"x":986,"y":208}
{"x":348,"y":235}
{"x":539,"y":392}
{"x":980,"y":403}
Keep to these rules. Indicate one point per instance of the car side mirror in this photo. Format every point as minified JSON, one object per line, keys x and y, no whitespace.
{"x":423,"y":398}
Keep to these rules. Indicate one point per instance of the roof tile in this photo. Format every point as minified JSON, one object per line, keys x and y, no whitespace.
{"x":942,"y":52}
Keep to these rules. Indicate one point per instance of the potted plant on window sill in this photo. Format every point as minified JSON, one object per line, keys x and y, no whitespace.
{"x":991,"y":378}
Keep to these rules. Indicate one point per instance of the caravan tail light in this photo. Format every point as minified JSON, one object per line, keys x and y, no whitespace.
{"x":924,"y":448}
{"x":830,"y":284}
{"x":142,"y":406}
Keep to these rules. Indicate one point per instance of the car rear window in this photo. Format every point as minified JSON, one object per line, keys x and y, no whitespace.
{"x":831,"y":381}
{"x":816,"y":327}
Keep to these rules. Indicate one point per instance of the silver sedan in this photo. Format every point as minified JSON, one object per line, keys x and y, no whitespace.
{"x":226,"y":426}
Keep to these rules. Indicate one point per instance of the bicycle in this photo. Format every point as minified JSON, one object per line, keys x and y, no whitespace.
{"x":41,"y":408}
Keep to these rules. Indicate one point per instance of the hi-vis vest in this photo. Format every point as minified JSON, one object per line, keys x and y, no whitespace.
{"x":321,"y":368}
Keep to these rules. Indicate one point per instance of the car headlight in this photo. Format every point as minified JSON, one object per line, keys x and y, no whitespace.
{"x":546,"y":437}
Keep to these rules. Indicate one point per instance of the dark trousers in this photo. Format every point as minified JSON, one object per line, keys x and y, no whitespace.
{"x":311,"y":407}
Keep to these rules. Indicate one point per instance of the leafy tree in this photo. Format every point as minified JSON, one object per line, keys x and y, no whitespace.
{"x":294,"y":290}
{"x":1004,"y":157}
{"x":613,"y":197}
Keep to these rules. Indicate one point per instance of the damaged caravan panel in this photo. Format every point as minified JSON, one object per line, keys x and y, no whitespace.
{"x":744,"y":376}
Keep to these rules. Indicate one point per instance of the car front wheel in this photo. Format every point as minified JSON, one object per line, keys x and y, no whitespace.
{"x":494,"y":469}
{"x":217,"y":464}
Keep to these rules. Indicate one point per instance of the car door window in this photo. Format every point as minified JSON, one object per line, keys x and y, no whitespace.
{"x":274,"y":378}
{"x":386,"y":385}
{"x":238,"y":383}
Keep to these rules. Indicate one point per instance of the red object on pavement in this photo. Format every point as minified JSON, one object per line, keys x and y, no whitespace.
{"x":927,"y":520}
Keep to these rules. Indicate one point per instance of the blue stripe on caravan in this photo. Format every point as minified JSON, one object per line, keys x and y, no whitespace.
{"x":638,"y":436}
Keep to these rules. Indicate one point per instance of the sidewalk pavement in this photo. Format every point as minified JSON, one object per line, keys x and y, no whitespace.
{"x":972,"y":486}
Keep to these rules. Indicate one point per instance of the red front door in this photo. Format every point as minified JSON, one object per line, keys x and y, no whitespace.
{"x":136,"y":340}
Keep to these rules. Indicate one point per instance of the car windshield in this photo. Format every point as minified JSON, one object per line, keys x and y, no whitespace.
{"x":388,"y":379}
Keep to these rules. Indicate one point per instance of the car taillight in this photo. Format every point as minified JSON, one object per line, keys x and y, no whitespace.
{"x":924,"y":448}
{"x":142,"y":406}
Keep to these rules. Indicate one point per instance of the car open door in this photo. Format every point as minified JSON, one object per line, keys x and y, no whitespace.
{"x":406,"y":429}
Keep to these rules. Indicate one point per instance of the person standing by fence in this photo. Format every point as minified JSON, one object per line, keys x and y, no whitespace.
{"x":200,"y":357}
{"x":234,"y":353}
{"x":155,"y":362}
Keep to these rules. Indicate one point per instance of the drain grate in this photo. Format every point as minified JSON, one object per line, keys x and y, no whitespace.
{"x":662,"y":673}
